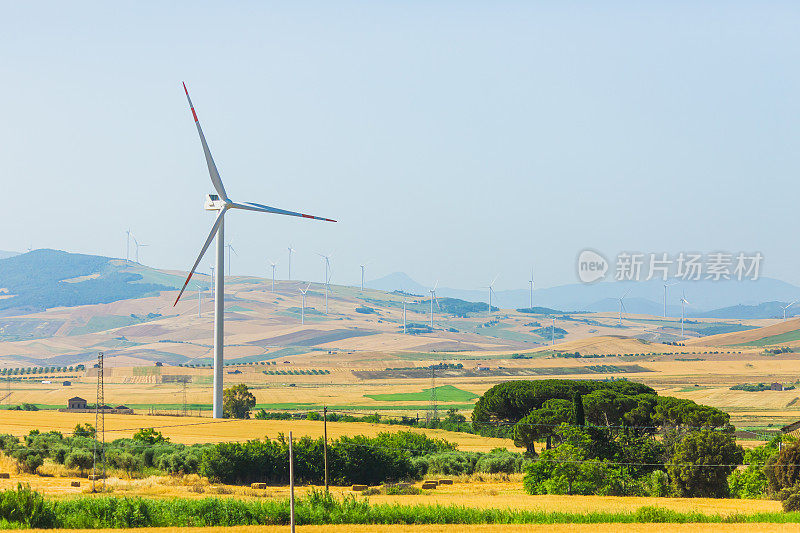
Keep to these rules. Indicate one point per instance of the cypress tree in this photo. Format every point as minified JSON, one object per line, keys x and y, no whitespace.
{"x":580,"y":417}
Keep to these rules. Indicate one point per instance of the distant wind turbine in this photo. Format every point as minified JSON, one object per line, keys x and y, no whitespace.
{"x":211,"y":289}
{"x":138,"y":245}
{"x":221,"y":203}
{"x":433,"y":298}
{"x":787,"y":307}
{"x":273,"y":265}
{"x":665,"y":296}
{"x":199,"y":301}
{"x":530,"y":281}
{"x":128,"y":246}
{"x":362,"y":276}
{"x":303,"y":305}
{"x":622,"y":306}
{"x":684,"y":302}
{"x":290,"y":261}
{"x":230,"y":249}
{"x":491,"y":291}
{"x":327,"y":259}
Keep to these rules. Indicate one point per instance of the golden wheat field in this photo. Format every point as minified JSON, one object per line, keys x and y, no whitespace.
{"x":193,"y":430}
{"x":545,"y":528}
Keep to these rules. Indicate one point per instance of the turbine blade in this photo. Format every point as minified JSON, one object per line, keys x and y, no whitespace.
{"x":436,"y":285}
{"x":210,"y":238}
{"x":252,"y":206}
{"x":212,"y":167}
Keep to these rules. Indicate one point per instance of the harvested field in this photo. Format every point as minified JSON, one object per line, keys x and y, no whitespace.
{"x":538,"y":528}
{"x":191,"y":430}
{"x":420,"y":373}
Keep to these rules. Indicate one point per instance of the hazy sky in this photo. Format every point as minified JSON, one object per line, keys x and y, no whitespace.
{"x":453,"y":140}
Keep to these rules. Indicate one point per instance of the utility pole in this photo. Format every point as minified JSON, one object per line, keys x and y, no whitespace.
{"x":291,"y":483}
{"x":325,"y":446}
{"x":99,"y":424}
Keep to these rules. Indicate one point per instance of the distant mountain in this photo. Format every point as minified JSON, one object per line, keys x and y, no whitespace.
{"x":763,"y":310}
{"x":42,"y":279}
{"x":4,"y":254}
{"x":720,"y":299}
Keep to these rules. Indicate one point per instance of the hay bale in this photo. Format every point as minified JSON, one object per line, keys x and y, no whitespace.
{"x":74,"y":483}
{"x":445,"y":482}
{"x":4,"y":475}
{"x":359,"y":488}
{"x":94,"y":477}
{"x":258,"y":485}
{"x":427,"y":485}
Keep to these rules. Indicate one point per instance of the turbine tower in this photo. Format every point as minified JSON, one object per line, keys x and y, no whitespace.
{"x":491,"y":290}
{"x":273,"y":265}
{"x":211,"y":289}
{"x":362,"y":276}
{"x":290,"y":261}
{"x":530,"y":281}
{"x":622,"y":306}
{"x":303,"y":305}
{"x":128,"y":246}
{"x":684,"y":302}
{"x":433,"y":297}
{"x":327,"y":259}
{"x":138,"y":245}
{"x":221,"y":203}
{"x":787,"y":307}
{"x":230,"y":249}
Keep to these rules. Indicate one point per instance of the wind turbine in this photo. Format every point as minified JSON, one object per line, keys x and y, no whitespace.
{"x":128,"y":246}
{"x":290,"y":261}
{"x":622,"y":306}
{"x":221,"y":203}
{"x":433,"y":297}
{"x":211,"y":289}
{"x":362,"y":276}
{"x":327,"y":259}
{"x":303,"y":307}
{"x":530,"y":281}
{"x":787,"y":307}
{"x":199,"y":301}
{"x":138,"y":245}
{"x":684,"y":302}
{"x":665,"y":296}
{"x":491,"y":290}
{"x":230,"y":249}
{"x":273,"y":275}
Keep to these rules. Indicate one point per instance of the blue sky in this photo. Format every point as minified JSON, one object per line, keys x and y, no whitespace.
{"x":453,"y":140}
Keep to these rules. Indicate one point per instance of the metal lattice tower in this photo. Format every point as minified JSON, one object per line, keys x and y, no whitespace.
{"x":99,"y":424}
{"x":183,"y":390}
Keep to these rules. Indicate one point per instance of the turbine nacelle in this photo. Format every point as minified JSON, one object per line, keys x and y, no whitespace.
{"x":213,"y":203}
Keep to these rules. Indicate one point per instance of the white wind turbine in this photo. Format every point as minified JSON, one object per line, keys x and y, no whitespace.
{"x":622,"y":306}
{"x":666,"y":285}
{"x":684,"y":303}
{"x":787,"y":307}
{"x":211,"y":289}
{"x":303,"y":305}
{"x":230,"y":249}
{"x":128,"y":246}
{"x":362,"y":276}
{"x":327,"y":259}
{"x":199,"y":301}
{"x":221,"y":203}
{"x":273,"y":265}
{"x":290,"y":261}
{"x":433,"y":298}
{"x":138,"y":245}
{"x":530,"y":281}
{"x":491,"y":291}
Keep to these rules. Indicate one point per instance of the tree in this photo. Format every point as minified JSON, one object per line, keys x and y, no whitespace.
{"x":783,"y":470}
{"x":701,"y":463}
{"x":542,"y":423}
{"x":149,"y":436}
{"x":237,"y":402}
{"x":80,"y":459}
{"x":579,"y":416}
{"x":85,"y":430}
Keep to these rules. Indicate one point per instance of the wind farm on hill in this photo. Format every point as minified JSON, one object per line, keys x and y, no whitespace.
{"x":295,"y":356}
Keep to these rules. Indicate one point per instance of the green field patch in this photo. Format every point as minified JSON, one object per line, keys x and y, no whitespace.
{"x":444,"y":393}
{"x":104,"y":323}
{"x":783,"y":338}
{"x":237,"y":309}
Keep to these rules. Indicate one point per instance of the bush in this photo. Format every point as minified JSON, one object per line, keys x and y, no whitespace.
{"x":656,"y":484}
{"x":702,"y":462}
{"x":790,"y":498}
{"x":28,"y":460}
{"x":80,"y":459}
{"x":502,"y":462}
{"x":451,"y":463}
{"x":26,"y":507}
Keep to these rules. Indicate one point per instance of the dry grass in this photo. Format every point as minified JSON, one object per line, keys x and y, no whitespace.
{"x":548,"y":528}
{"x":190,"y":430}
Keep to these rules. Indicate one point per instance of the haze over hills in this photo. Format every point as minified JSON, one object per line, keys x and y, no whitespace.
{"x":762,"y":298}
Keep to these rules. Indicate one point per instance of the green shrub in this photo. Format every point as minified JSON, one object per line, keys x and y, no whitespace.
{"x":27,"y":507}
{"x":502,"y":462}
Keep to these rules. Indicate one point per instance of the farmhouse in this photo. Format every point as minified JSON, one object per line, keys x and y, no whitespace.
{"x":76,"y":403}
